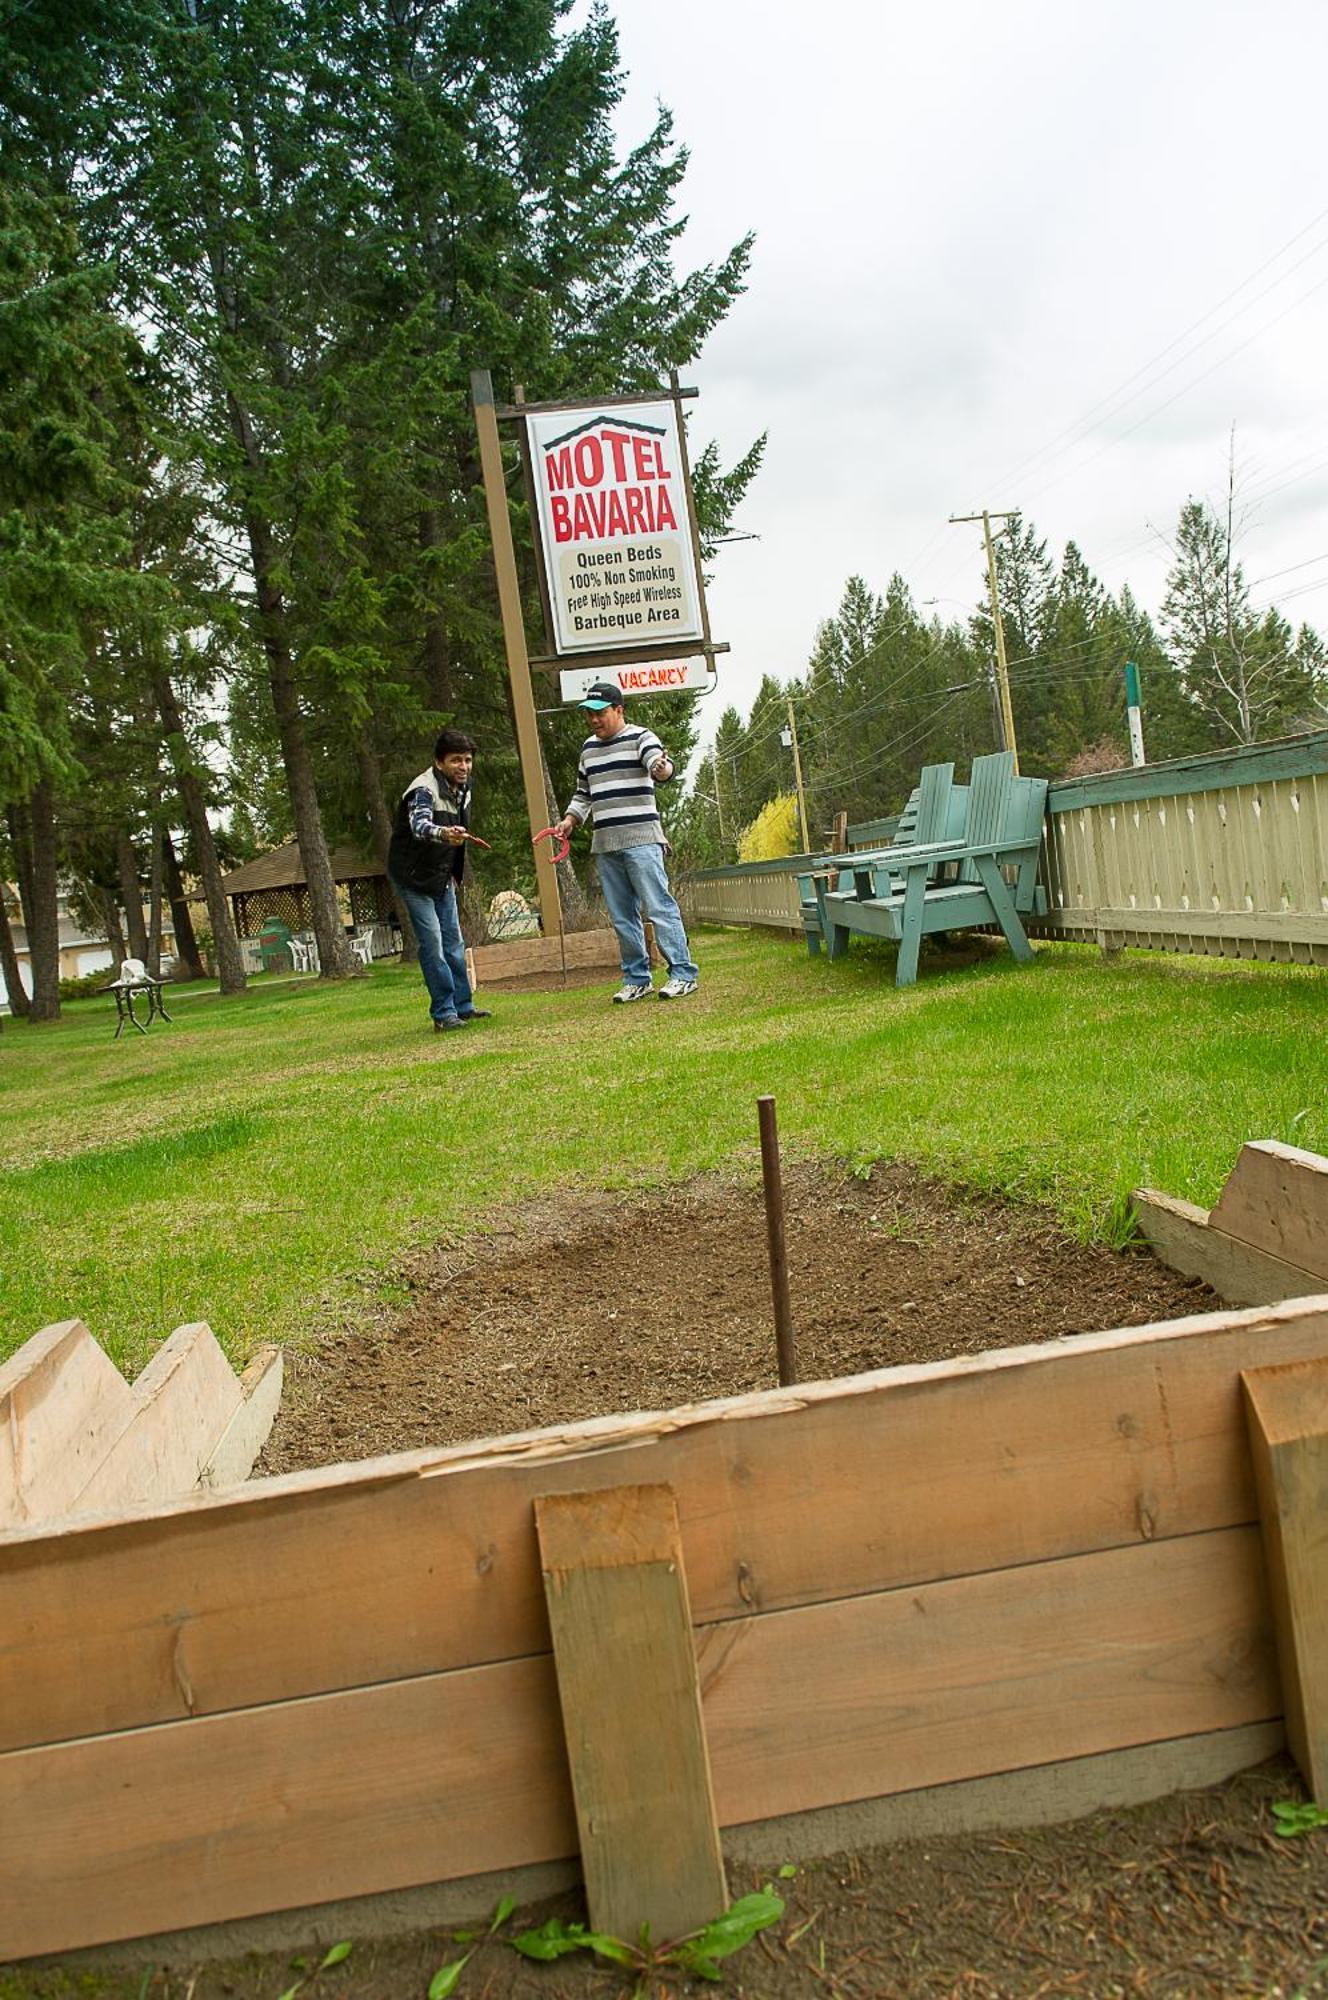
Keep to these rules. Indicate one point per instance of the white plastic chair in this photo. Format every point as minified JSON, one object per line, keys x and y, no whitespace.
{"x":362,"y":946}
{"x":304,"y":955}
{"x":134,"y":977}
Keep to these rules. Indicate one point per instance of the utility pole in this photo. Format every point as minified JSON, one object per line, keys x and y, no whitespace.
{"x":790,"y":736}
{"x":514,"y":635}
{"x":1002,"y":671}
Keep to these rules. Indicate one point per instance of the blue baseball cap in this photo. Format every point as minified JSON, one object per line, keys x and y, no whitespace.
{"x":604,"y":694}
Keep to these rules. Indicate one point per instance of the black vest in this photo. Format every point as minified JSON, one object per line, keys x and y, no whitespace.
{"x":429,"y":865}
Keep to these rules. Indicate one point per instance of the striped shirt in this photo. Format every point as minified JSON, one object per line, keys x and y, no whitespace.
{"x":613,"y":783}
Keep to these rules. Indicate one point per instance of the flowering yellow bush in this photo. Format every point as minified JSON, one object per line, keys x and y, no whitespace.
{"x":773,"y":832}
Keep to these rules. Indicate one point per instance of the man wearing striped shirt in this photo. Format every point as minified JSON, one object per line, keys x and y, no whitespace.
{"x":621,"y":764}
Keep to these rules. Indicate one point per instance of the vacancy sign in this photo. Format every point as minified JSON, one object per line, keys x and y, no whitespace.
{"x":638,"y":677}
{"x":615,"y":527}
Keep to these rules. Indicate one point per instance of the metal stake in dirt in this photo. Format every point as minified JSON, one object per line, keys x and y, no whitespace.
{"x":774,"y":1229}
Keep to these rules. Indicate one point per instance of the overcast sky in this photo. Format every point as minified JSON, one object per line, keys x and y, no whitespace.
{"x":1038,"y":255}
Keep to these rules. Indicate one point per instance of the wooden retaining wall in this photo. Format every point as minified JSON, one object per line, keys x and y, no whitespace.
{"x":75,"y":1437}
{"x":1225,"y":854}
{"x":341,"y":1681}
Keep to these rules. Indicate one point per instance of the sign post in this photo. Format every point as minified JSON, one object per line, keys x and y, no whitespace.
{"x":514,"y":634}
{"x":1134,"y":713}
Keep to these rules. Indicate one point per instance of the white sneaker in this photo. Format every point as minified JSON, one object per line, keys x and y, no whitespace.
{"x":677,"y":989}
{"x":629,"y":992}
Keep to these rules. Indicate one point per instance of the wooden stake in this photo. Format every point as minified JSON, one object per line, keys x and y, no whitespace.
{"x":631,"y":1705}
{"x":514,"y":635}
{"x":1287,"y":1412}
{"x":774,"y":1229}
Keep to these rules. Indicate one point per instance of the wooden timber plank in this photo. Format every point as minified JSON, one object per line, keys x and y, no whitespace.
{"x":62,"y":1403}
{"x":1180,"y":1234}
{"x":120,"y":1836}
{"x":455,"y":1774}
{"x":1277,"y":1199}
{"x":882,"y":1694}
{"x":631,"y":1706}
{"x":232,"y":1457}
{"x":284,"y":1587}
{"x":182,"y":1403}
{"x":1288,"y":1419}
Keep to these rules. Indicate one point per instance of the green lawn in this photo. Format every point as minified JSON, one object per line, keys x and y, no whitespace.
{"x":261,"y":1163}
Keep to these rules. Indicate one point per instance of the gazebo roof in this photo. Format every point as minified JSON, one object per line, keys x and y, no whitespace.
{"x":284,"y":868}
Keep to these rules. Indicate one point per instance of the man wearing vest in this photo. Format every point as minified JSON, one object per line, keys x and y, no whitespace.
{"x":620,"y":766}
{"x":425,"y":860}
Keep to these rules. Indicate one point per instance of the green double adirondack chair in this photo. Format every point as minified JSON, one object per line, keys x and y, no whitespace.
{"x":948,"y":872}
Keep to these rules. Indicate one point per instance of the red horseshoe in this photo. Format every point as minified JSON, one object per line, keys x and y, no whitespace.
{"x":562,"y":846}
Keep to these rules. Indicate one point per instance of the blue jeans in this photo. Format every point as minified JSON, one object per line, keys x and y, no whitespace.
{"x":442,"y":949}
{"x":636,"y":887}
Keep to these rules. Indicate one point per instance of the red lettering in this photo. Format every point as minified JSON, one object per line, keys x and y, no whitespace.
{"x":664,"y":515}
{"x":618,"y":441}
{"x":635,"y":503}
{"x":588,"y":516}
{"x":659,"y":468}
{"x":558,"y":469}
{"x":641,"y":451}
{"x":616,"y":520}
{"x":562,"y":523}
{"x":589,"y":461}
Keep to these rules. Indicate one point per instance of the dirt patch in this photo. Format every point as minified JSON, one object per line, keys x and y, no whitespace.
{"x":555,"y":982}
{"x":1192,"y":1898}
{"x":590,"y":1304}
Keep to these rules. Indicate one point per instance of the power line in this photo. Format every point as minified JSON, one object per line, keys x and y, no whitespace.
{"x":897,"y":744}
{"x":1150,"y":415}
{"x":1307,"y":564}
{"x":1086,"y":423}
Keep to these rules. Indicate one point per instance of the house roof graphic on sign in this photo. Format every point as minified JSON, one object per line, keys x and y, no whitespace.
{"x":619,"y":423}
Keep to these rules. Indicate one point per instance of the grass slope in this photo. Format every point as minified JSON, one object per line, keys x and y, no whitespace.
{"x":261,"y":1163}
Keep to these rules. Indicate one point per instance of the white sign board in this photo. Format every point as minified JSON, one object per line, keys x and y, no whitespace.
{"x":614,"y":523}
{"x":639,"y":677}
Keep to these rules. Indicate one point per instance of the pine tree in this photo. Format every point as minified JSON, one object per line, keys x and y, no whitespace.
{"x":1244,"y":672}
{"x":331,"y":215}
{"x":65,"y":555}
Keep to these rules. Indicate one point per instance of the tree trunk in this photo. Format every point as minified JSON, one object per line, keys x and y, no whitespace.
{"x":225,"y":944}
{"x":14,"y":987}
{"x":335,"y":955}
{"x":20,"y":839}
{"x":42,"y":919}
{"x":126,"y":862}
{"x":154,"y":907}
{"x":110,"y":916}
{"x":186,"y":944}
{"x":380,"y":820}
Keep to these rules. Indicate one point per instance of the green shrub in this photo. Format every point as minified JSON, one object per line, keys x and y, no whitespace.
{"x":87,"y":984}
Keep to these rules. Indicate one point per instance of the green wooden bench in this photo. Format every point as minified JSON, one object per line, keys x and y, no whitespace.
{"x":987,"y":875}
{"x":936,"y":811}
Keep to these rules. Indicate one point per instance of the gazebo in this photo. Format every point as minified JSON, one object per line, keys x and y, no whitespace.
{"x":275,"y":885}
